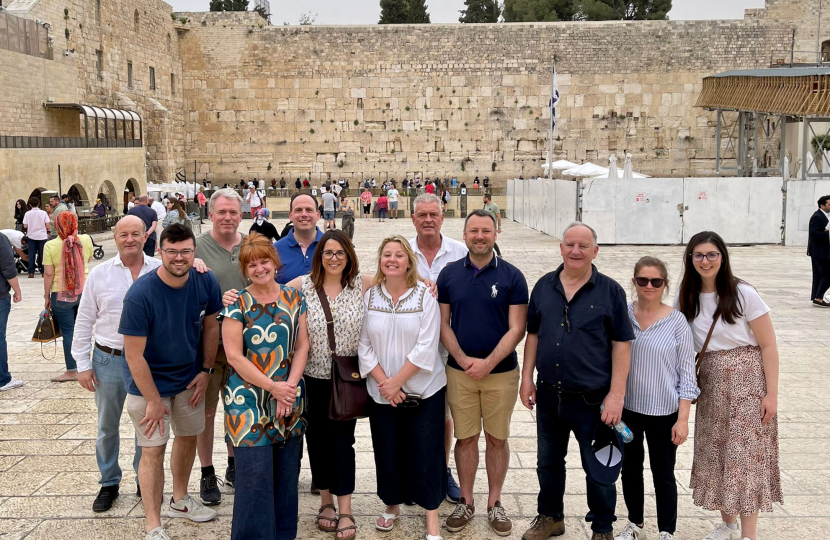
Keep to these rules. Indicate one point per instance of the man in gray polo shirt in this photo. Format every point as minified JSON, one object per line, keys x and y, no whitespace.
{"x":219,"y":251}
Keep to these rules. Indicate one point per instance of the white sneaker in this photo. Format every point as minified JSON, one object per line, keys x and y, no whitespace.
{"x":666,"y":536}
{"x":157,"y":534}
{"x":631,"y":532}
{"x":11,"y":385}
{"x":191,"y":509}
{"x":722,"y":532}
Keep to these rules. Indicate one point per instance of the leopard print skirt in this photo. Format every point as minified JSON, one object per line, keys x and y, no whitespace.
{"x":735,"y":466}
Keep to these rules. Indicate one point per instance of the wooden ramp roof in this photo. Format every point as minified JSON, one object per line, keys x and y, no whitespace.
{"x":790,"y":91}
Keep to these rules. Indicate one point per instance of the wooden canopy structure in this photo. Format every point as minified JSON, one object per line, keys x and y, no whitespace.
{"x":794,"y":92}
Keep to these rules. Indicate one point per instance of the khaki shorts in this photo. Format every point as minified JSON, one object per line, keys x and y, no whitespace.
{"x":216,"y":383}
{"x":184,"y":420}
{"x":490,"y":400}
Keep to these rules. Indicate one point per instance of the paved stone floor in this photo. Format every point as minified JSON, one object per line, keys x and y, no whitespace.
{"x":48,"y":474}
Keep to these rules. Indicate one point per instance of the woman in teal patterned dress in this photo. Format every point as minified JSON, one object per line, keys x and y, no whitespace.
{"x":266,"y":341}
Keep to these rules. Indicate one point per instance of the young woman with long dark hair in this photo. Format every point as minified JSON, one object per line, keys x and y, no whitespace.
{"x":735,"y":468}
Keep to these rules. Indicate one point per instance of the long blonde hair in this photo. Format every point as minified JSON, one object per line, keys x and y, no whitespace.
{"x":412,"y":276}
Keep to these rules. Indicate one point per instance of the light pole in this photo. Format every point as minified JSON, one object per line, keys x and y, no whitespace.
{"x":818,"y":35}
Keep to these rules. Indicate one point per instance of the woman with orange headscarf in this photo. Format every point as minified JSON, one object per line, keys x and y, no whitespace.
{"x":66,"y":264}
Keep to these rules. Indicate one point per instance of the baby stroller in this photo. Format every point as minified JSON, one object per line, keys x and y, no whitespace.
{"x":21,"y":265}
{"x":98,"y":253}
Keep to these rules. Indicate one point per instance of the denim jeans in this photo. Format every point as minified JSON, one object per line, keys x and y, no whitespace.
{"x":556,"y":416}
{"x":5,"y":309}
{"x":65,"y":314}
{"x":266,"y":501}
{"x":36,"y":256}
{"x":110,"y":395}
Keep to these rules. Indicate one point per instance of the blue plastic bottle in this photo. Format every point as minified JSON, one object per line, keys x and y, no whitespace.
{"x":621,"y":428}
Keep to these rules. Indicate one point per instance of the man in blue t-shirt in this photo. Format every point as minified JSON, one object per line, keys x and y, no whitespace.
{"x":171,"y":335}
{"x":296,"y":249}
{"x":483,"y":315}
{"x":150,"y":219}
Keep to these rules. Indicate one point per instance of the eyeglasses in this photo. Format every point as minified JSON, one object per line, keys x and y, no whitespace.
{"x":173,"y":253}
{"x":567,"y":323}
{"x":329,"y":254}
{"x":711,"y":256}
{"x":644,"y":281}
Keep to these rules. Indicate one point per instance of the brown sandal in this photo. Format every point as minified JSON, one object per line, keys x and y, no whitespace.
{"x":320,"y":516}
{"x":352,"y":527}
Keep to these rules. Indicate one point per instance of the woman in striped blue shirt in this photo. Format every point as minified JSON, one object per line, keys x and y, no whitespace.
{"x":659,"y":392}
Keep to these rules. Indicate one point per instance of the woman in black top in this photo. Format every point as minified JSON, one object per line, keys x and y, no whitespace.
{"x":263,"y":226}
{"x":20,"y":209}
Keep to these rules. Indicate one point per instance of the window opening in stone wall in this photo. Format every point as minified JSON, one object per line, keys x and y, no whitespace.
{"x":172,"y":84}
{"x":129,"y":74}
{"x":152,"y":78}
{"x":135,"y":21}
{"x":825,"y":51}
{"x":99,"y":59}
{"x":168,"y":42}
{"x":97,"y":10}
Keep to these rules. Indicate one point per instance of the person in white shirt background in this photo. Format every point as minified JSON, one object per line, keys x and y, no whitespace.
{"x":253,"y":199}
{"x":159,"y":208}
{"x":434,"y":251}
{"x":16,"y":239}
{"x":100,"y":307}
{"x":392,"y":195}
{"x":36,"y":227}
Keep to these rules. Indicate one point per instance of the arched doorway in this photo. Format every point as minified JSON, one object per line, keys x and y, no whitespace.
{"x":825,"y":51}
{"x":36,"y":194}
{"x":130,"y":191}
{"x":108,"y":196}
{"x":78,"y":195}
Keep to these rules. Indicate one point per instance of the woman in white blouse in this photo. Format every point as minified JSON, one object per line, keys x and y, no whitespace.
{"x":406,"y":379}
{"x":735,"y":468}
{"x":658,"y":396}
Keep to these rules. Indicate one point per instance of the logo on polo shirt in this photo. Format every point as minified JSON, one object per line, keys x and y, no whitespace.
{"x":494,"y":290}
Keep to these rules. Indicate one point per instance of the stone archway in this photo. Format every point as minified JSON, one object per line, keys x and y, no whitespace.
{"x":108,"y":196}
{"x":130,"y":190}
{"x":36,"y":194}
{"x":77,"y":193}
{"x":825,"y":51}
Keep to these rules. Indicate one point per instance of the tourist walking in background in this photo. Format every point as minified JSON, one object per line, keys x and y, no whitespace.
{"x":20,"y":210}
{"x":335,"y":279}
{"x":493,"y":209}
{"x":382,"y":206}
{"x":202,"y":201}
{"x":366,"y":202}
{"x":172,"y":304}
{"x":483,"y":317}
{"x":406,"y":380}
{"x":264,"y":395}
{"x":8,"y":284}
{"x":99,"y":314}
{"x":65,"y":266}
{"x":150,"y":219}
{"x":347,"y":221}
{"x":658,"y":396}
{"x":329,"y":201}
{"x":818,"y":248}
{"x":175,"y":214}
{"x":159,"y":208}
{"x":253,"y":199}
{"x":445,"y":198}
{"x":434,"y":251}
{"x":264,"y":227}
{"x":735,"y":468}
{"x":36,"y":227}
{"x":392,"y":195}
{"x":578,"y":338}
{"x":100,"y":209}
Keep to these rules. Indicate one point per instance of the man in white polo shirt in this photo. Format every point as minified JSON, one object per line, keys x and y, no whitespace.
{"x":434,"y":251}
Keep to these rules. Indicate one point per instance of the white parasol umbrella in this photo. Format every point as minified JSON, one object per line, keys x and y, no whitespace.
{"x":612,"y":167}
{"x":628,"y":167}
{"x":560,"y":165}
{"x":587,"y":170}
{"x":786,"y":168}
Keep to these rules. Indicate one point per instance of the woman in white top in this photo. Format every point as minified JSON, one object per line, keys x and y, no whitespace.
{"x":735,"y":468}
{"x":406,"y":379}
{"x":658,"y":396}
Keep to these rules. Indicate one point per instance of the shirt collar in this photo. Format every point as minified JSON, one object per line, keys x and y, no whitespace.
{"x":118,"y":262}
{"x":293,"y":241}
{"x":592,"y":280}
{"x":494,"y":262}
{"x":417,"y":249}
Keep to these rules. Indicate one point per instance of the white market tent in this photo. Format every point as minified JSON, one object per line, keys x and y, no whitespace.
{"x":560,"y":165}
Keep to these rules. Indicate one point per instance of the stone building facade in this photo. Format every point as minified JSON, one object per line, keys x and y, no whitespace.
{"x":236,"y":98}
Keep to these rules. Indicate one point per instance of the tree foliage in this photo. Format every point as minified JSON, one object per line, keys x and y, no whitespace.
{"x":229,"y":5}
{"x":307,"y":19}
{"x":403,"y":12}
{"x":480,"y":11}
{"x":585,"y":10}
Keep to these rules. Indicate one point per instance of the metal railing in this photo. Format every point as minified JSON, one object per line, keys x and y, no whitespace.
{"x":12,"y":141}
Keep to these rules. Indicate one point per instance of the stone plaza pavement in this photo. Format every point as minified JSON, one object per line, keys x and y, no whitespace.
{"x":48,"y":473}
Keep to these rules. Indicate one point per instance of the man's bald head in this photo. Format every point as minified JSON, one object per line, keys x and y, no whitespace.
{"x":142,"y":199}
{"x":129,"y":222}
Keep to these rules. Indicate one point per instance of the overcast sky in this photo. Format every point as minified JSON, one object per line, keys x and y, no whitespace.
{"x":446,"y":11}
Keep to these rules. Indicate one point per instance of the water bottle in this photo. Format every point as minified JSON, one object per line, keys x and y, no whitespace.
{"x":621,"y":428}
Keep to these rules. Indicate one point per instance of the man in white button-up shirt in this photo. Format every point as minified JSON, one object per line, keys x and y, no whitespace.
{"x":100,"y":308}
{"x":434,"y":251}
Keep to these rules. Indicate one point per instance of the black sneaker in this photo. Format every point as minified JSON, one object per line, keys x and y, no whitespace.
{"x":230,"y":475}
{"x":105,"y":498}
{"x":137,"y":490}
{"x":209,"y":490}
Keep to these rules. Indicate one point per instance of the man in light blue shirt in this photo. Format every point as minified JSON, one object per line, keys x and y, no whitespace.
{"x":297,"y":248}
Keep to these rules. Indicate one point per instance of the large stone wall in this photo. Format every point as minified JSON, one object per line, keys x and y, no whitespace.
{"x":362,"y":101}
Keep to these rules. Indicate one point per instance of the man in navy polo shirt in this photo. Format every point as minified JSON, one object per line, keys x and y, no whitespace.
{"x":296,"y":249}
{"x":579,"y":339}
{"x":170,"y":339}
{"x":483,"y":316}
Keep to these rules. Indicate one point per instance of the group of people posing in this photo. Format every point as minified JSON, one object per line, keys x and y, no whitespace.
{"x":434,"y":332}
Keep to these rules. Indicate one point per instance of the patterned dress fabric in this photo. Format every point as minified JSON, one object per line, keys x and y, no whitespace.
{"x":735,"y":466}
{"x":269,"y":333}
{"x":348,"y":313}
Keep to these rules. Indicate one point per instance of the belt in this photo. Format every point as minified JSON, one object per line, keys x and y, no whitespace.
{"x":114,"y":352}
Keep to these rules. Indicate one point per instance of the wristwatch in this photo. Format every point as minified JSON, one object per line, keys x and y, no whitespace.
{"x":207,"y":370}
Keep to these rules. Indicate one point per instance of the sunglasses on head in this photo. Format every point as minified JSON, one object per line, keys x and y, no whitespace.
{"x":644,"y":281}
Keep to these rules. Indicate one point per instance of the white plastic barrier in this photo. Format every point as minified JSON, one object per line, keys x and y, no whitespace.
{"x":802,"y":202}
{"x":508,"y":211}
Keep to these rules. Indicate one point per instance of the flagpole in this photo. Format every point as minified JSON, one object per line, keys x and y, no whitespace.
{"x":552,"y":112}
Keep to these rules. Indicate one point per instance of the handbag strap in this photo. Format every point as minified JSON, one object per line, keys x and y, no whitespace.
{"x":324,"y":302}
{"x":708,"y":337}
